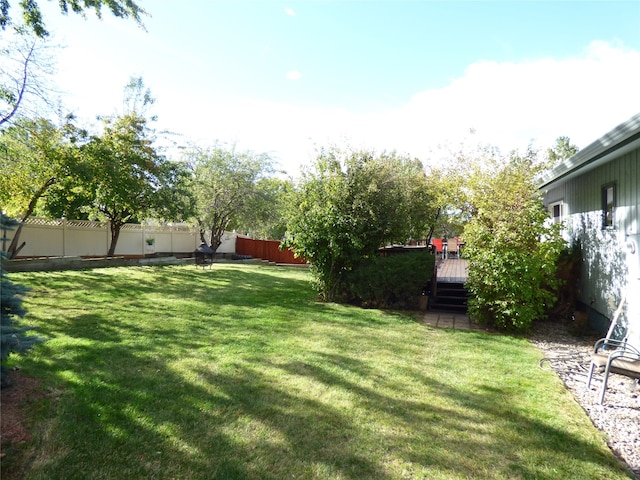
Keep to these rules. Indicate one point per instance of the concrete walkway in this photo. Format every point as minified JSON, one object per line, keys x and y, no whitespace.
{"x":451,"y":270}
{"x":457,"y":321}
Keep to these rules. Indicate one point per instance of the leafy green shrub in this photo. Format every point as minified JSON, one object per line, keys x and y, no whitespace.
{"x":351,"y":203}
{"x":395,"y":281}
{"x":511,"y":247}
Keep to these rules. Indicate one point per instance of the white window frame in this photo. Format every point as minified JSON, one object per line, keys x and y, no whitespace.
{"x":609,"y":204}
{"x":552,"y":211}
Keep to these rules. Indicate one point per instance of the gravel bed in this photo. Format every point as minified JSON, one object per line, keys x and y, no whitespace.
{"x":619,"y":418}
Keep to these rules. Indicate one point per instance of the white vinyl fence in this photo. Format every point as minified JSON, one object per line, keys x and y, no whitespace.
{"x":81,"y":238}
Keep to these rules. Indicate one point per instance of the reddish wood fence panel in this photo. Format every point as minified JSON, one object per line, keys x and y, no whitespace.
{"x":266,"y":250}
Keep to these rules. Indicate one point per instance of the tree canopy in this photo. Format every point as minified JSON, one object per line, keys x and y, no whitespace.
{"x":35,"y":156}
{"x":31,"y":159}
{"x":31,"y":14}
{"x":224,"y":184}
{"x":562,"y":149}
{"x":123,"y":178}
{"x":264,"y":213}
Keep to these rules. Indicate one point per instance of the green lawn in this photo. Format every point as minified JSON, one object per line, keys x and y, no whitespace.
{"x":238,"y":373}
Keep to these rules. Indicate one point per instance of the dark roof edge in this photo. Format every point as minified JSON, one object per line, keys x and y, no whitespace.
{"x":622,"y":135}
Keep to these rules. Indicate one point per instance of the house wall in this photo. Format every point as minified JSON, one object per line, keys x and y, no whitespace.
{"x":610,"y":268}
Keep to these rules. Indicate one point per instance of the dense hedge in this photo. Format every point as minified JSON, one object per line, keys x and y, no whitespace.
{"x":396,"y":281}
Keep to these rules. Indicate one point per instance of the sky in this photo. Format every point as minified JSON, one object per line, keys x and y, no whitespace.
{"x":417,"y":77}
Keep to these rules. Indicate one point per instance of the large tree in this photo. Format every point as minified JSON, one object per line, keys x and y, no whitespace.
{"x":224,"y":184}
{"x":31,"y":15}
{"x":264,"y":213}
{"x":119,"y":175}
{"x":448,"y":181}
{"x":34,"y":156}
{"x":123,"y":178}
{"x":352,"y":203}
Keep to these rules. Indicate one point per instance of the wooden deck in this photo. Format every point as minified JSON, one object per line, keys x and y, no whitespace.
{"x":452,"y":270}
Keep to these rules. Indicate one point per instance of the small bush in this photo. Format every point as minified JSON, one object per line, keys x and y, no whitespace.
{"x":391,"y":282}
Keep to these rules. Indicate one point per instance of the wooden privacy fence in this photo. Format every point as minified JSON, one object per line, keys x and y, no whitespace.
{"x":266,"y":250}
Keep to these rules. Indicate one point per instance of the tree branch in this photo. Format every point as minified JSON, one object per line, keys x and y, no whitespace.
{"x":23,"y":87}
{"x":13,"y":247}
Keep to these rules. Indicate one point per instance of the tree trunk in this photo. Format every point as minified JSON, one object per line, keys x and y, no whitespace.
{"x":433,"y":226}
{"x":23,"y":86}
{"x":330,"y":284}
{"x":14,"y":248}
{"x":217,"y":232}
{"x":202,"y":231}
{"x":114,"y":227}
{"x":216,"y":240}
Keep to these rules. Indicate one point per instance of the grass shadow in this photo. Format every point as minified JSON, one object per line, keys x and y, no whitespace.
{"x":240,"y":374}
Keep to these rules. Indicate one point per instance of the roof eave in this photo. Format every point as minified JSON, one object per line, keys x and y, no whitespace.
{"x":623,"y":138}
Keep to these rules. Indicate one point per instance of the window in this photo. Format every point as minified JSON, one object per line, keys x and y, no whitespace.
{"x":608,"y":205}
{"x":556,"y":210}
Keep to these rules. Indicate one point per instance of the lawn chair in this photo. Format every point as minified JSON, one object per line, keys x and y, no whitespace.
{"x":617,"y":356}
{"x":452,"y":247}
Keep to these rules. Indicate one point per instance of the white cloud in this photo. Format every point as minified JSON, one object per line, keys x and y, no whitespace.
{"x":507,"y":104}
{"x":290,"y":12}
{"x":511,"y":104}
